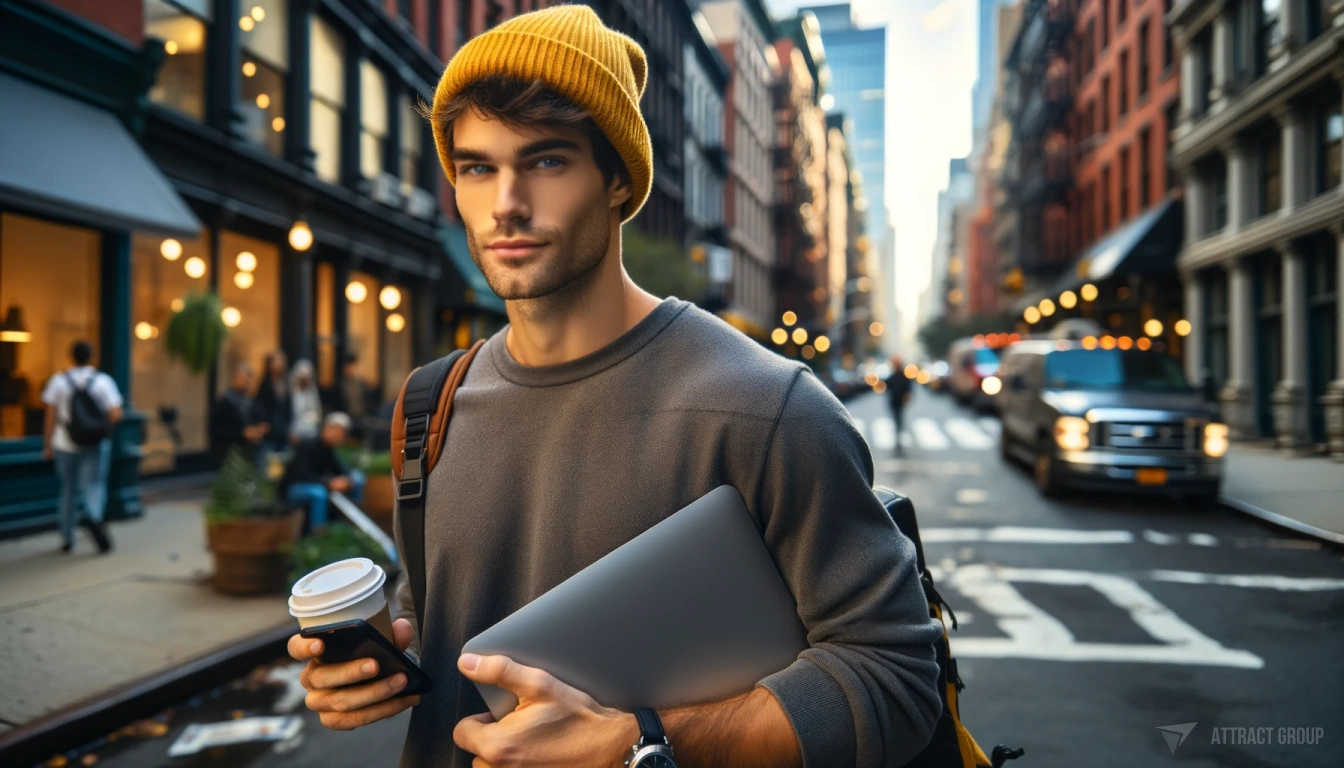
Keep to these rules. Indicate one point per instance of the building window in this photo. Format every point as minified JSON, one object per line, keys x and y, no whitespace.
{"x":1319,"y":18}
{"x":1218,"y":183}
{"x":181,"y":25}
{"x":1204,"y":95}
{"x":1215,"y":350}
{"x":256,"y":297}
{"x":328,"y":99}
{"x":1171,"y":120}
{"x":1091,"y":118}
{"x":1105,"y":103}
{"x":265,"y":60}
{"x":50,"y":286}
{"x":1105,"y":199}
{"x":1122,"y":11}
{"x":1124,"y":184}
{"x":1124,"y":83}
{"x":1144,"y":73}
{"x":364,"y":328}
{"x":1235,"y":11}
{"x":412,"y":128}
{"x":1167,"y":54}
{"x":462,"y":31}
{"x":1105,"y":23}
{"x":1269,"y":32}
{"x":372,"y":118}
{"x":1090,"y":46}
{"x":1329,"y":140}
{"x":1271,"y":171}
{"x":1145,"y":168}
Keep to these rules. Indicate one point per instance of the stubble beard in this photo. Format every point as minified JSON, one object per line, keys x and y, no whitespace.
{"x":572,"y":262}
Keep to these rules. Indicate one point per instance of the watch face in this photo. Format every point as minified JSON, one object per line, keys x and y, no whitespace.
{"x":656,"y":761}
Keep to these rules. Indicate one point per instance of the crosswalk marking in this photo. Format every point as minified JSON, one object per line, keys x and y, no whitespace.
{"x":927,"y":434}
{"x":990,"y":425}
{"x":968,"y":435}
{"x":884,"y":434}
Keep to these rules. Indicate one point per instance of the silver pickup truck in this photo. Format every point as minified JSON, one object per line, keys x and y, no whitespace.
{"x":1088,"y":417}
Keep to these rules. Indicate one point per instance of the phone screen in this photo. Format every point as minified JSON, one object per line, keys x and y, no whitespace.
{"x":351,"y":640}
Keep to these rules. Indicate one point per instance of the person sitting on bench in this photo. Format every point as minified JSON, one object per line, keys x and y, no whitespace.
{"x":316,"y":471}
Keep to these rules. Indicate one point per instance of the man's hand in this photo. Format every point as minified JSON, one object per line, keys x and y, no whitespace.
{"x":340,"y":484}
{"x":47,"y":453}
{"x":554,"y":726}
{"x":335,"y":692}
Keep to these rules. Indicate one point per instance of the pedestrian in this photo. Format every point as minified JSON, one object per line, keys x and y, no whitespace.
{"x":351,"y":395}
{"x":898,"y":394}
{"x":305,"y":402}
{"x":233,"y":419}
{"x":272,"y":404}
{"x":598,"y":411}
{"x":316,"y":471}
{"x":83,"y":405}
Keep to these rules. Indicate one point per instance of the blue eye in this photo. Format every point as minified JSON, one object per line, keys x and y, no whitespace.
{"x":475,"y":170}
{"x":555,"y":163}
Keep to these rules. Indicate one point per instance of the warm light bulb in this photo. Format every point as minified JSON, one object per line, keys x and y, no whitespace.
{"x":231,"y":316}
{"x":395,"y":322}
{"x":1089,"y":292}
{"x":263,"y":100}
{"x":809,"y":352}
{"x":278,"y":124}
{"x":875,"y":329}
{"x":1182,"y":327}
{"x":799,"y":336}
{"x":249,"y":69}
{"x":1047,"y":307}
{"x":258,"y":13}
{"x":300,"y":236}
{"x":823,"y":343}
{"x":389,"y":297}
{"x":246,"y":23}
{"x":195,"y":267}
{"x":779,"y":336}
{"x":170,"y":47}
{"x":243,"y":280}
{"x":1068,"y":299}
{"x":144,"y":331}
{"x":1153,"y":327}
{"x":790,"y":318}
{"x":356,"y":292}
{"x":176,"y":305}
{"x":170,"y":249}
{"x":246,"y":261}
{"x":1031,"y":315}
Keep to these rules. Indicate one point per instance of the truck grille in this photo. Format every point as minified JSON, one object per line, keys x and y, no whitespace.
{"x":1141,"y":436}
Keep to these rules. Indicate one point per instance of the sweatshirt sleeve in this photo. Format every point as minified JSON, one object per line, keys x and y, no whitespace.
{"x":865,"y":692}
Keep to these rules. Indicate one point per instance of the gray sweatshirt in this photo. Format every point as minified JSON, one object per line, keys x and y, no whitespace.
{"x":546,"y":469}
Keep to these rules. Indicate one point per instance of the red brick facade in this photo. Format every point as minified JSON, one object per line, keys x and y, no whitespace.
{"x":121,"y":17}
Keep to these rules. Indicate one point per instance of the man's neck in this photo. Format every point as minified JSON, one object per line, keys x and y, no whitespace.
{"x":579,"y":320}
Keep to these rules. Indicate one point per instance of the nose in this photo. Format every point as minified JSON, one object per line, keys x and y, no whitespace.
{"x":511,"y":205}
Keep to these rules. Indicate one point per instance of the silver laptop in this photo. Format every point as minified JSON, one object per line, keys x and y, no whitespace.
{"x":691,"y":610}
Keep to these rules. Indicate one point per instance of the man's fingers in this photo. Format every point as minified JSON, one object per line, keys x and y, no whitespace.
{"x":527,"y":682}
{"x":472,"y":735}
{"x":344,"y":721}
{"x":337,"y":675}
{"x":302,"y":649}
{"x":402,"y":634}
{"x":354,"y":697}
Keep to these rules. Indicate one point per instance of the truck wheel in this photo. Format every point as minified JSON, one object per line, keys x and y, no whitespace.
{"x":1046,"y":471}
{"x":1005,"y":446}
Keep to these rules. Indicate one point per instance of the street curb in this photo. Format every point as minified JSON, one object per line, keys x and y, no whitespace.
{"x":96,"y":716}
{"x":1282,"y":521}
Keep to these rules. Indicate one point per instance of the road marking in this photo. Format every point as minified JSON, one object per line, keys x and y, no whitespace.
{"x":972,"y":496}
{"x":922,"y":467}
{"x":1261,"y":581}
{"x":884,"y":434}
{"x":991,"y":425}
{"x":1018,"y":535}
{"x":1164,"y":539}
{"x":1202,"y":540}
{"x":1034,"y":634}
{"x":968,"y":435}
{"x":929,"y":436}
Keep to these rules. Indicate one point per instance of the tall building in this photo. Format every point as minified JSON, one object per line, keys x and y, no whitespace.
{"x":988,"y":64}
{"x":1259,"y":142}
{"x":858,"y":61}
{"x":947,"y":264}
{"x":706,"y":162}
{"x":745,"y":34}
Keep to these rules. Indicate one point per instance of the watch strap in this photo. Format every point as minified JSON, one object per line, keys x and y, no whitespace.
{"x":650,"y":727}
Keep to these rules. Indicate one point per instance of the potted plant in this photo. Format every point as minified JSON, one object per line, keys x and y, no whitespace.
{"x":378,"y":488}
{"x":332,"y":543}
{"x":197,"y":332}
{"x":248,"y":529}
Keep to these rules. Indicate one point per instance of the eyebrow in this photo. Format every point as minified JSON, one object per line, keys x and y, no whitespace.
{"x":459,"y":155}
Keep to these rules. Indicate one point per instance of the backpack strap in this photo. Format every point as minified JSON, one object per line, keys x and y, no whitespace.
{"x":902,"y":511}
{"x":419,"y":424}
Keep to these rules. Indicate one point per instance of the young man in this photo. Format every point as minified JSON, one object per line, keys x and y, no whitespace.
{"x":82,"y":469}
{"x":898,"y":394}
{"x":233,"y":423}
{"x":599,"y":411}
{"x":315,"y":472}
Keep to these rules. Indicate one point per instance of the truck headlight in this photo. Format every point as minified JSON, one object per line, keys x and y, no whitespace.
{"x":1215,"y":439}
{"x":1071,"y":433}
{"x":991,"y":385}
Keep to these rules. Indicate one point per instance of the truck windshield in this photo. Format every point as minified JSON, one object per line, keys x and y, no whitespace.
{"x":1113,"y":369}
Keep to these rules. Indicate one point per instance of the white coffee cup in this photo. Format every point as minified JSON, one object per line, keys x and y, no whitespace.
{"x":343,"y":591}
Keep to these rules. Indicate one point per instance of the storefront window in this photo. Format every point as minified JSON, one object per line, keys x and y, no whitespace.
{"x":173,"y":399}
{"x":181,"y":24}
{"x":411,"y":127}
{"x":364,"y":326}
{"x":1330,"y":145}
{"x":328,"y":99}
{"x":265,"y":60}
{"x":249,"y":281}
{"x":326,"y":325}
{"x":397,"y":349}
{"x":49,"y":299}
{"x":372,"y":118}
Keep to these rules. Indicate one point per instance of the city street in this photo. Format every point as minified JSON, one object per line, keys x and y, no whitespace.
{"x":1084,"y":624}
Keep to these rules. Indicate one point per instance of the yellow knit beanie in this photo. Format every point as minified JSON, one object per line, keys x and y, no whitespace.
{"x":569,"y":49}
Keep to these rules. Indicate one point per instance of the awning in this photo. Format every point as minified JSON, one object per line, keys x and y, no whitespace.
{"x":1148,"y":245}
{"x":455,"y":244}
{"x":63,"y":158}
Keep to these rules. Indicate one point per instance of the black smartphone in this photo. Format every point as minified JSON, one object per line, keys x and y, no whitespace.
{"x":356,"y":639}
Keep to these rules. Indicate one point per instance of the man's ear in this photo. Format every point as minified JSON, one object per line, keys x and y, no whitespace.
{"x":619,"y":192}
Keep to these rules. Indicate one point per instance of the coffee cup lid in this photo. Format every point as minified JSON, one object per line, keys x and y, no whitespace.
{"x":335,"y":586}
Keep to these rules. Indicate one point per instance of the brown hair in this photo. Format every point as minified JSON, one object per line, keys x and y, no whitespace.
{"x":518,"y":103}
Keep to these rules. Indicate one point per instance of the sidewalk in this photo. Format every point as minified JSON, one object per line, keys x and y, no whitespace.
{"x":1302,"y":493}
{"x":73,"y":626}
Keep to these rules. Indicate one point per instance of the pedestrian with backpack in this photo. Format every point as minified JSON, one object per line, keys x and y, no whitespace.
{"x":83,"y":406}
{"x":599,"y":411}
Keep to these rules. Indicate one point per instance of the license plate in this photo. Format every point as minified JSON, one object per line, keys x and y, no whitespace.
{"x":1150,"y":476}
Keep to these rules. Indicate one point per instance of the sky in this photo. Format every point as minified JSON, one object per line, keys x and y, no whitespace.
{"x":930,"y":70}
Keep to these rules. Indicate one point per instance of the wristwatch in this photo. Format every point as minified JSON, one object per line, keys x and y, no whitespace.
{"x":653,"y":749}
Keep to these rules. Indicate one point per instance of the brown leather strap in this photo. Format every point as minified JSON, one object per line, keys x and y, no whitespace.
{"x":438,"y":424}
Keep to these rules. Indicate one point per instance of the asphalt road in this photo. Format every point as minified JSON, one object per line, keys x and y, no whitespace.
{"x":1085,"y":624}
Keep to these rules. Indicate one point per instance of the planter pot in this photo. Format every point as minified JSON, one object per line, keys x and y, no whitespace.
{"x":251,"y":555}
{"x":378,"y":500}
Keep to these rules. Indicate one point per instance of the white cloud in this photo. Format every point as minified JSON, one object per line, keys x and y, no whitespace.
{"x":941,"y":17}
